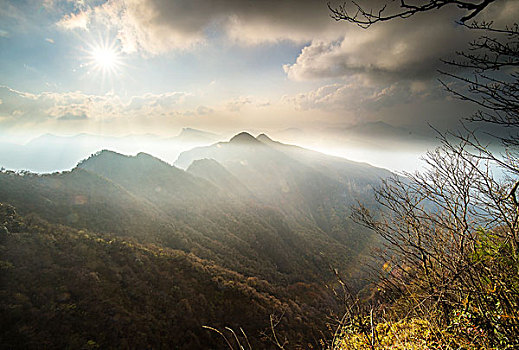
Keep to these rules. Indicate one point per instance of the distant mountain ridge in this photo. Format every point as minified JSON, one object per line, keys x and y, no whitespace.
{"x":50,"y":153}
{"x":195,"y":135}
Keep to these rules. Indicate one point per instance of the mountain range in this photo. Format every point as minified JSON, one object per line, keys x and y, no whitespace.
{"x":248,"y":217}
{"x":50,"y":153}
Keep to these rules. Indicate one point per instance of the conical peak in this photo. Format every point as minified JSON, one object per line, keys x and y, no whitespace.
{"x":264,"y":138}
{"x":243,"y":137}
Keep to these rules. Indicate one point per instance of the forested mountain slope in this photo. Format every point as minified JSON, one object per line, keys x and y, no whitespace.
{"x":253,"y":210}
{"x":67,"y":288}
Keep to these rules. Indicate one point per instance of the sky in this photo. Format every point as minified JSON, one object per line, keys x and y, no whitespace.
{"x":121,"y":67}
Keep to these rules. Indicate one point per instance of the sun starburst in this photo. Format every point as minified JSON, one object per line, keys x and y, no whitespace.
{"x":105,"y":58}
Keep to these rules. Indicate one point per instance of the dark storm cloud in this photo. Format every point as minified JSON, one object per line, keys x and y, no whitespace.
{"x":399,"y":49}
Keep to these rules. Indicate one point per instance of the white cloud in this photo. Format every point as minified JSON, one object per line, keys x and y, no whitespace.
{"x":21,"y":107}
{"x":203,"y":110}
{"x":141,"y":28}
{"x":235,"y":105}
{"x":79,"y":20}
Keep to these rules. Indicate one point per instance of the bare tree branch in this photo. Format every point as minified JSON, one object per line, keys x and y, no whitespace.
{"x":355,"y":13}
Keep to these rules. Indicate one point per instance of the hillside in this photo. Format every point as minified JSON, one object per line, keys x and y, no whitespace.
{"x":312,"y":190}
{"x":214,"y":172}
{"x":86,"y":290}
{"x":250,"y":208}
{"x":234,"y":237}
{"x":255,"y":209}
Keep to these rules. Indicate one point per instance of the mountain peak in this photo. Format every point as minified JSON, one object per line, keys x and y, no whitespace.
{"x":243,"y":138}
{"x":192,"y":131}
{"x":107,"y":159}
{"x":195,"y":135}
{"x":264,"y":138}
{"x":142,"y":155}
{"x":106,"y":153}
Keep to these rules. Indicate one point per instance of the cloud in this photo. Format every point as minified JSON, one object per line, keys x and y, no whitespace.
{"x":203,"y":110}
{"x":70,"y":116}
{"x":19,"y":107}
{"x":395,"y":51}
{"x":164,"y":105}
{"x":400,"y":49}
{"x":16,"y":104}
{"x":237,"y":104}
{"x":359,"y":95}
{"x":158,"y":26}
{"x":51,"y":108}
{"x":391,"y":51}
{"x":79,"y":20}
{"x":143,"y":27}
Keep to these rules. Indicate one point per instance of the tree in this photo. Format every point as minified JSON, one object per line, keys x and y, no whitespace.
{"x":364,"y":17}
{"x":450,"y":246}
{"x":451,"y":233}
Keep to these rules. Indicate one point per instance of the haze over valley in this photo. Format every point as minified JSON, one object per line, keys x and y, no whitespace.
{"x":377,"y":143}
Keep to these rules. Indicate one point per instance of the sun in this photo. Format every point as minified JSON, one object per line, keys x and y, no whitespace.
{"x":105,"y":58}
